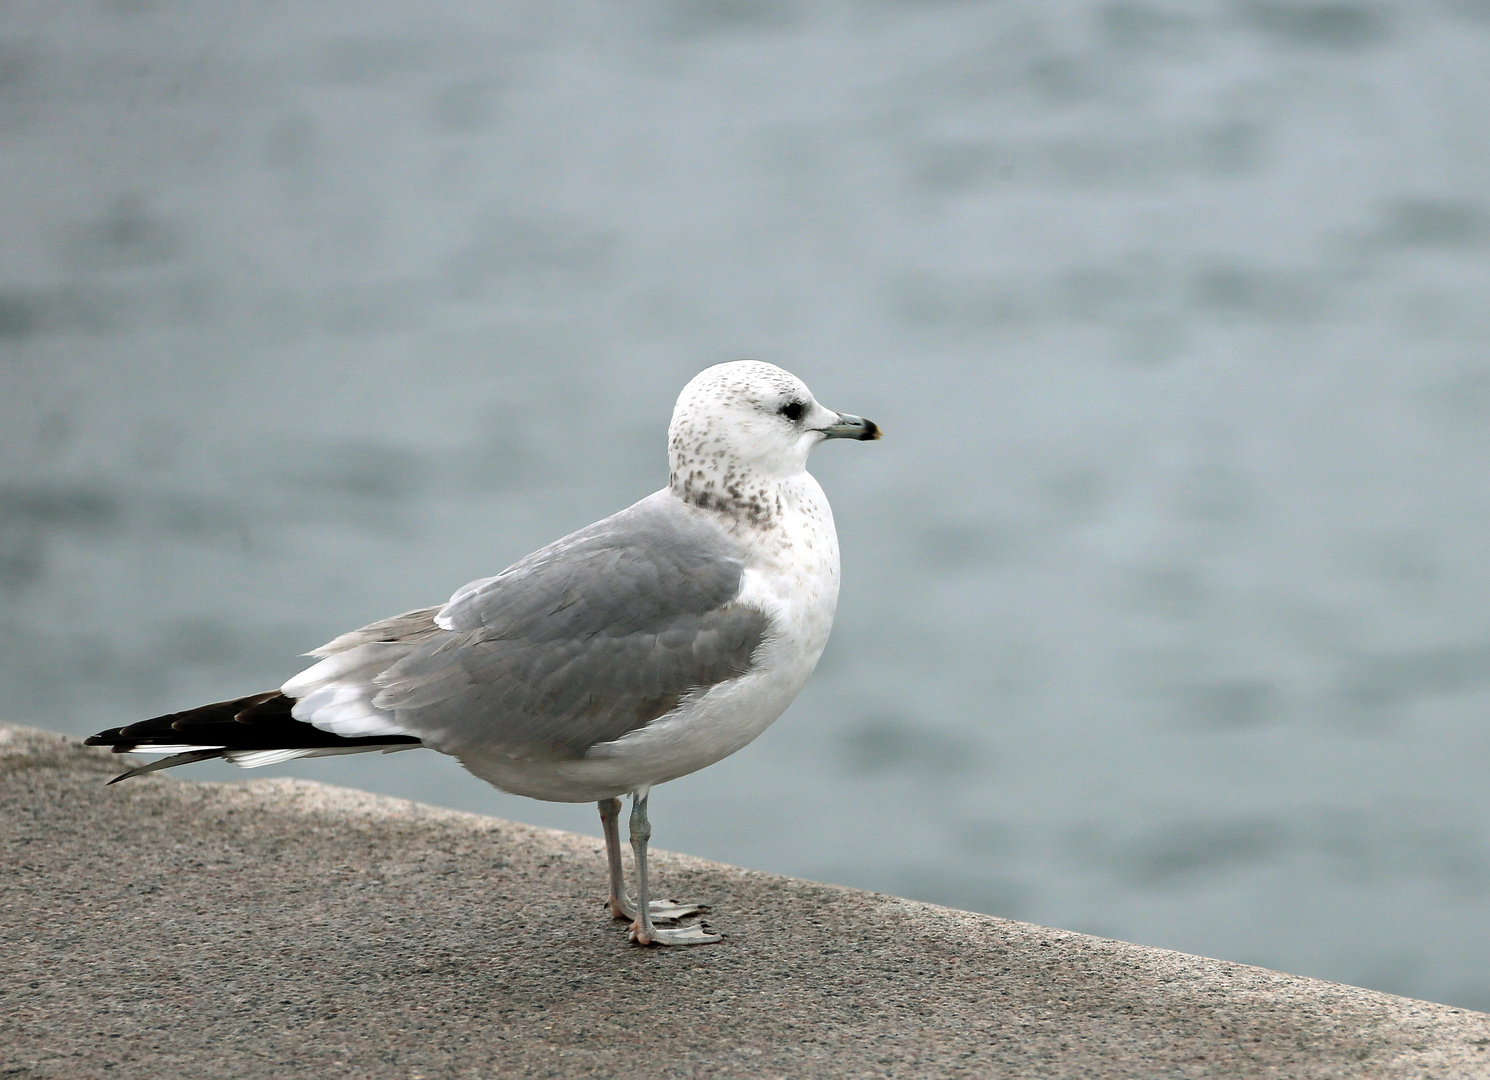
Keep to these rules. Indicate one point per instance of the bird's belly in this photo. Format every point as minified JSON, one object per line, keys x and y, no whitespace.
{"x":701,"y":731}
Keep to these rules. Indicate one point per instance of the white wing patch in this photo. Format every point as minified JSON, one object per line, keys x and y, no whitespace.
{"x":451,"y":616}
{"x":336,"y":695}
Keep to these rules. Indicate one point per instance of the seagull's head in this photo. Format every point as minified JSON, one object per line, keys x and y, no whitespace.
{"x":748,"y":419}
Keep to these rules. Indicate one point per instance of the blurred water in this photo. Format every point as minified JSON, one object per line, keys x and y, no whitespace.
{"x":1166,"y":613}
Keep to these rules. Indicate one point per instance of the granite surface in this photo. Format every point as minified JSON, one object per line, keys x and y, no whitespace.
{"x":170,"y":928}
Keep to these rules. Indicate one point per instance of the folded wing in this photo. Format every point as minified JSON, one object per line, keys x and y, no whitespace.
{"x":585,"y":640}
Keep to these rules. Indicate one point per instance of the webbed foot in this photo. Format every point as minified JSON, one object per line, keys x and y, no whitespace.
{"x":697,"y":934}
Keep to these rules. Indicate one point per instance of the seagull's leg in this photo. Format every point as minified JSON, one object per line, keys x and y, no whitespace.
{"x":619,"y":904}
{"x":642,"y":930}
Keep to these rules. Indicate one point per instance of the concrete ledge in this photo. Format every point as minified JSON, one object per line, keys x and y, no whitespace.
{"x":169,"y":928}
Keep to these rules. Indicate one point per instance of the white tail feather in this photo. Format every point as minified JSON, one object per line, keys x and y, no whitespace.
{"x":253,"y":759}
{"x":171,"y":748}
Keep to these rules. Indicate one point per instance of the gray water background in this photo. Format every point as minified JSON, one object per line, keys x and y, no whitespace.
{"x":1166,"y":608}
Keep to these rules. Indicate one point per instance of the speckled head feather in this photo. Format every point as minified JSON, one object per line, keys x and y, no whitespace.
{"x":737,"y":430}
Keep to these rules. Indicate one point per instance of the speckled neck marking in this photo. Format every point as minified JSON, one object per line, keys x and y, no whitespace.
{"x":728,"y":494}
{"x":726,"y":450}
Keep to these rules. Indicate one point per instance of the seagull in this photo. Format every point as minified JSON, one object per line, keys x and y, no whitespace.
{"x":632,"y":652}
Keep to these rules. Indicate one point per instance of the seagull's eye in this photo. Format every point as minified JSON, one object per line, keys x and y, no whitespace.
{"x":792,"y":410}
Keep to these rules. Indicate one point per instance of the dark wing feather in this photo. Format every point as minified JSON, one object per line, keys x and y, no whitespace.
{"x":257,"y":722}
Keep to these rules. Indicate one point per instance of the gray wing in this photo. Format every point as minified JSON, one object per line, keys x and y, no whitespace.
{"x":583,"y":641}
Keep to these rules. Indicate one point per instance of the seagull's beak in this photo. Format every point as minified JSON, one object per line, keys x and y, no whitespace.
{"x":850,"y":426}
